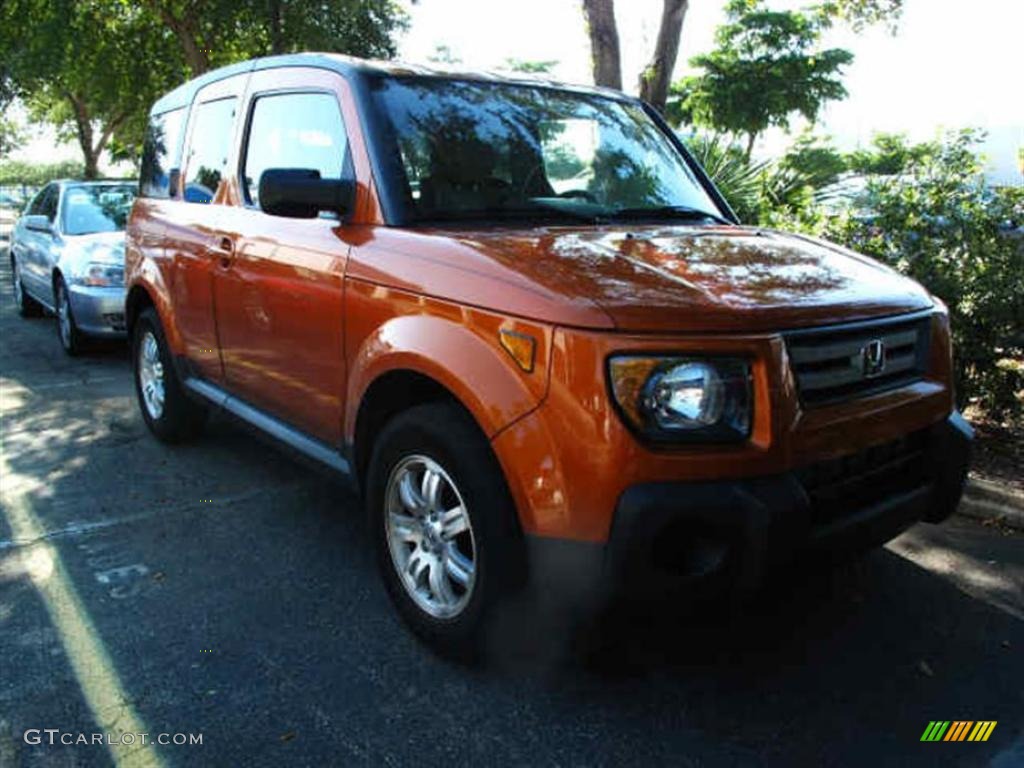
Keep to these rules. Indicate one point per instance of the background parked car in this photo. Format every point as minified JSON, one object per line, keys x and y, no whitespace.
{"x":67,"y":256}
{"x":10,"y":209}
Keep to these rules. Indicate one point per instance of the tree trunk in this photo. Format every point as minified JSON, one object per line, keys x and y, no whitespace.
{"x":655,"y":80}
{"x":604,"y":42}
{"x":276,"y":32}
{"x":197,"y":55}
{"x":751,"y":138}
{"x":83,"y":130}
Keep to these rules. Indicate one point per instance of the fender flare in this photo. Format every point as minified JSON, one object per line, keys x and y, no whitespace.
{"x":149,"y":280}
{"x":480,"y":374}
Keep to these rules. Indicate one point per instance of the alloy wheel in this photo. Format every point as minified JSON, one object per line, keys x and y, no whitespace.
{"x":151,"y":376}
{"x":430,"y":536}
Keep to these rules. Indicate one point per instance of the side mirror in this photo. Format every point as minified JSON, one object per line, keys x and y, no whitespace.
{"x":39,"y":223}
{"x":300,"y":193}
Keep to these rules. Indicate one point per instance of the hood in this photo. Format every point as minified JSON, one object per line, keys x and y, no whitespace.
{"x":663,"y":278}
{"x":96,"y":247}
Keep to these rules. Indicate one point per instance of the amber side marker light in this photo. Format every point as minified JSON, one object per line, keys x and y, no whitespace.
{"x":523,"y":348}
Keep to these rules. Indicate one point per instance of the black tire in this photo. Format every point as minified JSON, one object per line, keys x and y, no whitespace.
{"x":27,"y":306}
{"x":181,"y":418}
{"x":447,"y":434}
{"x":71,"y":339}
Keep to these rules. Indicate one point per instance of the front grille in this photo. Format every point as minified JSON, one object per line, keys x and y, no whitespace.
{"x":835,"y":364}
{"x":840,"y":487}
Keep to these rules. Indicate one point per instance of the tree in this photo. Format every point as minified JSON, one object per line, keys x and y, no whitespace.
{"x":604,"y":42}
{"x":765,"y":67}
{"x":94,"y":67}
{"x":77,"y":66}
{"x":655,"y":79}
{"x":215,"y":32}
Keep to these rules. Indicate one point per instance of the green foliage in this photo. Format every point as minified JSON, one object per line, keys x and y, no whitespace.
{"x":36,"y":174}
{"x":861,"y":13}
{"x":889,"y":155}
{"x":89,"y":67}
{"x":740,"y":180}
{"x":759,"y":189}
{"x":92,"y":68}
{"x":766,"y":67}
{"x":11,"y":136}
{"x":530,"y":67}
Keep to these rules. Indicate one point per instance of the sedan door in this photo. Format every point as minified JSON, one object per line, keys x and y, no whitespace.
{"x":279,"y":281}
{"x":33,"y":248}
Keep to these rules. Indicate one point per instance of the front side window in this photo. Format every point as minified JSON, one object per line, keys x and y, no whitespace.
{"x":160,"y":153}
{"x":294,"y":130}
{"x":471,"y":149}
{"x":89,"y":209}
{"x":209,"y":145}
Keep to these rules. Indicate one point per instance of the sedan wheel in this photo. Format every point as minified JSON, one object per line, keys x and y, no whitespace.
{"x":430,"y":537}
{"x":67,"y":331}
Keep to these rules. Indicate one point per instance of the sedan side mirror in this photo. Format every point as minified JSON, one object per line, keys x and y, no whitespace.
{"x":300,"y":193}
{"x":39,"y":223}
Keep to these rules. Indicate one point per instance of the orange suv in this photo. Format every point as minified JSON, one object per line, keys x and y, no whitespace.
{"x":523,"y":321}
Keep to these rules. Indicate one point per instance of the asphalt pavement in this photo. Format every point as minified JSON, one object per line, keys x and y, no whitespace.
{"x":226,"y":589}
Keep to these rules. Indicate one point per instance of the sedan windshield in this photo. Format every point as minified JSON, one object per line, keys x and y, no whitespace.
{"x":96,"y":208}
{"x":476,"y":149}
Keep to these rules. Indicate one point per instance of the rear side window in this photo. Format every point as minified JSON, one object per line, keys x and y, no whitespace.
{"x":48,"y":203}
{"x":35,"y":208}
{"x":294,"y":130}
{"x":160,"y":153}
{"x":209,"y":145}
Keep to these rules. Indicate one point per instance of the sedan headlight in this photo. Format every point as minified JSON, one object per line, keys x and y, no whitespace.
{"x":100,"y":274}
{"x":687,"y":399}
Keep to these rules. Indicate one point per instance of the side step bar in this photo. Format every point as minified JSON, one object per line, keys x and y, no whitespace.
{"x":300,"y":441}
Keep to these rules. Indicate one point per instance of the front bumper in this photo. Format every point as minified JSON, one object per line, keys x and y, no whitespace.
{"x":666,"y":535}
{"x":98,"y":311}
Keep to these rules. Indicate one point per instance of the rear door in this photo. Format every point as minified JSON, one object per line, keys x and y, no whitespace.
{"x":194,"y":219}
{"x":278,"y":284}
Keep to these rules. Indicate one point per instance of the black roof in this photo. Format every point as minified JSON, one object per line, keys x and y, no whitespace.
{"x":350,"y":66}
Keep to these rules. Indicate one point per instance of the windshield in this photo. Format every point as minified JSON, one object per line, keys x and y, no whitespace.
{"x":96,"y":208}
{"x":472,"y":150}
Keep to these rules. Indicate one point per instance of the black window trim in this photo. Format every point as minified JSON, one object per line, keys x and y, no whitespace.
{"x":174,"y":156}
{"x":250,"y":109}
{"x":193,"y":114}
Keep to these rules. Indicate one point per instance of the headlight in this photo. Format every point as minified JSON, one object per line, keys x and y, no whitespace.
{"x":100,"y":274}
{"x":691,"y":399}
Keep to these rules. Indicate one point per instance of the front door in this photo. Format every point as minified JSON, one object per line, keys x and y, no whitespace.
{"x":279,"y":281}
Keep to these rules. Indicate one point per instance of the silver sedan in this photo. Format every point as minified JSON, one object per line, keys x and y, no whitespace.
{"x":67,"y":256}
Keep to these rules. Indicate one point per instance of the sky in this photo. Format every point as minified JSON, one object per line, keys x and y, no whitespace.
{"x":950,"y":65}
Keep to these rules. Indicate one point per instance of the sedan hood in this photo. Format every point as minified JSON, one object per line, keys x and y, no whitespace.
{"x":686,"y":278}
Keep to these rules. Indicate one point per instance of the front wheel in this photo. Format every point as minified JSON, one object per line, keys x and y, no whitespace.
{"x":71,"y":339}
{"x":444,"y":524}
{"x":166,"y":409}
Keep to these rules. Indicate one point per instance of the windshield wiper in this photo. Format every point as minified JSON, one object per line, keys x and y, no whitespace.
{"x":683,"y":212}
{"x":503,"y":213}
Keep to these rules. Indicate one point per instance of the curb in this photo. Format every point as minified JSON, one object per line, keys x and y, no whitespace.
{"x":985,"y":500}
